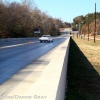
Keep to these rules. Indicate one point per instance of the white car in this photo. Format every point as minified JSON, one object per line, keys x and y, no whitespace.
{"x":46,"y":38}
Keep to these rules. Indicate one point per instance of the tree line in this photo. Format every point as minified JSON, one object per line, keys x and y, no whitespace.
{"x":81,"y":23}
{"x":20,"y":20}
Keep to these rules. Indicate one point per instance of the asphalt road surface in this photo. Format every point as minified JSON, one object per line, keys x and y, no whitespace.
{"x":16,"y":55}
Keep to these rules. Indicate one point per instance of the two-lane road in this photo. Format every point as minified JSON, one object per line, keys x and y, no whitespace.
{"x":16,"y":56}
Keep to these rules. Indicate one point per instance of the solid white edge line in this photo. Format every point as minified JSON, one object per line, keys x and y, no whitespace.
{"x":16,"y":45}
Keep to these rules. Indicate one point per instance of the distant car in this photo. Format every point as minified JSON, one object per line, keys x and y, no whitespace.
{"x":46,"y":38}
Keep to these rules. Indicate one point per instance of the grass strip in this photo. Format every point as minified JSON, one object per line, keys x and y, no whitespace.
{"x":83,"y":80}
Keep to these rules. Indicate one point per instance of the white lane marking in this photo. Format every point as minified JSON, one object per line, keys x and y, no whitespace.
{"x":24,"y":43}
{"x":17,"y":45}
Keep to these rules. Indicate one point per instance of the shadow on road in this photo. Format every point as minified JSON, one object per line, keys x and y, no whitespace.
{"x":83,"y":80}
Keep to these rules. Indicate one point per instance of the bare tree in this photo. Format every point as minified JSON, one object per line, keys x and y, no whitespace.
{"x":19,"y":20}
{"x":30,"y":4}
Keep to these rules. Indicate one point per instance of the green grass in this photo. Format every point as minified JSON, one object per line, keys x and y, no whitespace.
{"x":83,"y":81}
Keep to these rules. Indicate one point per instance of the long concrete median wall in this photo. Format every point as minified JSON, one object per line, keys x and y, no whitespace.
{"x":62,"y":82}
{"x":51,"y":83}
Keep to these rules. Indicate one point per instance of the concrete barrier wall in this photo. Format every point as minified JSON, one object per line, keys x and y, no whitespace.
{"x":51,"y":83}
{"x":62,"y":82}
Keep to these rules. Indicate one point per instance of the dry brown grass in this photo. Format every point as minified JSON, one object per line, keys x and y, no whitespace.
{"x":83,"y":73}
{"x":91,"y":50}
{"x":91,"y":36}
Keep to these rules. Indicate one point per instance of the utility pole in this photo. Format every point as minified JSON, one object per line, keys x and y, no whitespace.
{"x":88,"y":26}
{"x":95,"y":23}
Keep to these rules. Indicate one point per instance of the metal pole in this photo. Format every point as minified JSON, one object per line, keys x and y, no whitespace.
{"x":95,"y":23}
{"x":77,"y":35}
{"x":79,"y":29}
{"x":88,"y":26}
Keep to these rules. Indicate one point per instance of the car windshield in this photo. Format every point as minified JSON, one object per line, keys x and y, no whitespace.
{"x":45,"y":36}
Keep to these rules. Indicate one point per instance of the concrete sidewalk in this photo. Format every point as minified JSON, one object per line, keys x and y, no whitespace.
{"x":44,"y":79}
